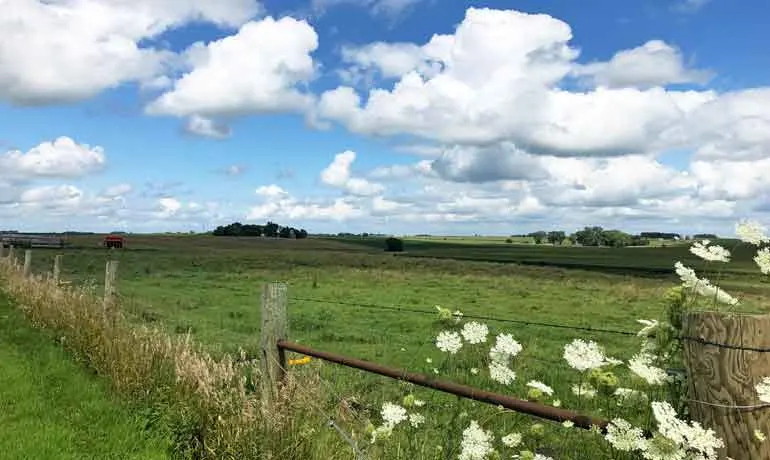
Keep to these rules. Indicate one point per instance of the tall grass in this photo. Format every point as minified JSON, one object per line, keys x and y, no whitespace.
{"x":209,"y":408}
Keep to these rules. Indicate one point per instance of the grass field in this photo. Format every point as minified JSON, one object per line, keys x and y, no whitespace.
{"x":211,"y":287}
{"x":51,"y":409}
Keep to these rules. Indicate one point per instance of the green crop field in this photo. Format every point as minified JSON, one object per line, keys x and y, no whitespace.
{"x":211,"y":286}
{"x":51,"y":409}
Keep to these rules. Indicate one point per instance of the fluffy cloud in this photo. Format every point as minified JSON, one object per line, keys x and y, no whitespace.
{"x":654,"y":63}
{"x":61,"y":158}
{"x":458,"y":89}
{"x":278,"y":204}
{"x":95,"y":44}
{"x":256,"y":70}
{"x":338,"y":174}
{"x":206,"y":127}
{"x":117,"y":191}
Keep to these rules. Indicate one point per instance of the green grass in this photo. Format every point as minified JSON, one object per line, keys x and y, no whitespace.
{"x":50,"y":408}
{"x":211,"y":286}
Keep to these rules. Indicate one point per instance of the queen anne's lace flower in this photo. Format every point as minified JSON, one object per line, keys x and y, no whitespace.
{"x":713,"y":253}
{"x":511,"y":440}
{"x":474,"y":332}
{"x":641,"y":365}
{"x":623,"y":436}
{"x":449,"y":341}
{"x":476,"y":443}
{"x":584,"y":390}
{"x":416,"y":419}
{"x":540,"y":386}
{"x":751,"y":232}
{"x":501,"y":373}
{"x":649,"y":326}
{"x":702,"y":286}
{"x":392,"y":414}
{"x":763,"y":260}
{"x":505,"y":348}
{"x":687,"y":437}
{"x":583,"y":356}
{"x":627,"y":395}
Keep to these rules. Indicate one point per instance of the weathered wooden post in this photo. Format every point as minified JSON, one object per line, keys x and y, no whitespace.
{"x":57,"y":268}
{"x":722,"y":375}
{"x":11,"y":256}
{"x":2,"y":250}
{"x":110,"y":272}
{"x":27,"y":263}
{"x":274,"y":328}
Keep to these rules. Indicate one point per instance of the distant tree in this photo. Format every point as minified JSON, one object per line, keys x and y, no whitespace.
{"x":301,"y":234}
{"x":509,"y":240}
{"x":538,"y":236}
{"x":556,"y":237}
{"x":616,"y":238}
{"x":589,"y":236}
{"x":637,"y":240}
{"x":393,"y":244}
{"x":286,"y":232}
{"x":704,"y":236}
{"x":271,"y":229}
{"x":660,"y":235}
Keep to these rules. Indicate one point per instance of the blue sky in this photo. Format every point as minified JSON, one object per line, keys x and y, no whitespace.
{"x":396,"y":116}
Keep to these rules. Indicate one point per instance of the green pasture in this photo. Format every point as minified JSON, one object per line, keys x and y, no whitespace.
{"x":211,"y":286}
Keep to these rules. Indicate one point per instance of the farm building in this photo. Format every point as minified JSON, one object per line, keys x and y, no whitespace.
{"x":114,"y":241}
{"x":28,"y":240}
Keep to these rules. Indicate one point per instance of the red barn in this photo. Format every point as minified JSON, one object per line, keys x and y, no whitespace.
{"x":113,"y":241}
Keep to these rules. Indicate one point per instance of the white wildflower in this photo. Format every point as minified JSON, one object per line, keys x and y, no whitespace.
{"x":686,"y":436}
{"x":428,"y":360}
{"x":760,"y":436}
{"x":568,"y":424}
{"x":751,"y":232}
{"x":419,"y":402}
{"x":476,"y":443}
{"x":556,"y":403}
{"x":541,"y":457}
{"x":583,"y":356}
{"x":714,"y":253}
{"x":627,"y":395}
{"x":435,"y":371}
{"x":501,"y":373}
{"x":649,"y":326}
{"x":641,"y":365}
{"x":623,"y":436}
{"x":763,"y":390}
{"x":511,"y":440}
{"x":505,"y":348}
{"x":584,"y":390}
{"x":474,"y":332}
{"x":458,"y":316}
{"x":392,"y":414}
{"x":763,"y":260}
{"x":449,"y":342}
{"x":474,"y":371}
{"x":416,"y":419}
{"x":702,"y":286}
{"x":540,"y":386}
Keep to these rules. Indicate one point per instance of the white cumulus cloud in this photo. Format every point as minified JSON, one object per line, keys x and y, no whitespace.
{"x":257,"y":70}
{"x":62,"y":157}
{"x":338,"y":174}
{"x":57,"y":51}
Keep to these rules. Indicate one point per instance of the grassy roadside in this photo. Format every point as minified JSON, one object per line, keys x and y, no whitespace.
{"x":50,"y":408}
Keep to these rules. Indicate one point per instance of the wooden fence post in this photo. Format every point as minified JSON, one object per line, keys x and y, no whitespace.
{"x":11,"y":256}
{"x":110,"y":272}
{"x":2,"y":250}
{"x":57,"y":268}
{"x":27,"y":263}
{"x":274,"y":328}
{"x":720,"y":378}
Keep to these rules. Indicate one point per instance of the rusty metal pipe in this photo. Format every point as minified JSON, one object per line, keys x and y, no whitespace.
{"x":519,"y":405}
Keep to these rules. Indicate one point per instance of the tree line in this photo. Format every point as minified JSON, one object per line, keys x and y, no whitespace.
{"x":270,"y":229}
{"x":598,"y":236}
